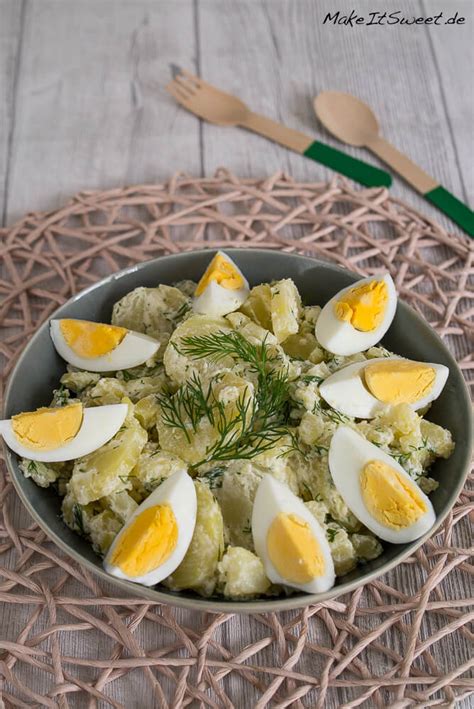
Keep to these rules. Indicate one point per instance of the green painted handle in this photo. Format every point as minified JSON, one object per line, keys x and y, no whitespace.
{"x":450,"y":205}
{"x":357,"y":170}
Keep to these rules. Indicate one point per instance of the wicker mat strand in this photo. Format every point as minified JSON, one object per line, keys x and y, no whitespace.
{"x":402,"y":641}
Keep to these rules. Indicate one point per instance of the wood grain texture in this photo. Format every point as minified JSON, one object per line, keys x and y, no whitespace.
{"x":454,"y":64}
{"x":277,"y":56}
{"x":82,"y":105}
{"x":91,"y":110}
{"x":11,"y":14}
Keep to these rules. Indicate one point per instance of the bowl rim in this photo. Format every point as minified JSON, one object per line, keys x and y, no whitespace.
{"x":266,"y":605}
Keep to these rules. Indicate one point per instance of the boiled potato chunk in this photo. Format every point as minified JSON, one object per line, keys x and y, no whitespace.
{"x":147,"y":411}
{"x":241,"y":574}
{"x":236,"y":495}
{"x":257,"y":306}
{"x":106,"y":470}
{"x":121,"y":504}
{"x":103,"y":528}
{"x":198,"y":570}
{"x":152,"y":468}
{"x":78,"y":381}
{"x":342,"y":551}
{"x":151,"y":311}
{"x":44,"y":474}
{"x":180,"y":367}
{"x":285,"y":306}
{"x":302,"y":346}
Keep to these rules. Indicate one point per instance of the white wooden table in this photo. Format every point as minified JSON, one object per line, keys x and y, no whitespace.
{"x":82,"y":101}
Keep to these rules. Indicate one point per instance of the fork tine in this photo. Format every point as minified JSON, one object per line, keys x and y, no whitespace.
{"x":195,"y":79}
{"x":183,"y":88}
{"x":186,"y":84}
{"x":176,"y":91}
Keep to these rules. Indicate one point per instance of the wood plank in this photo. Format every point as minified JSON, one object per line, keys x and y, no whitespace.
{"x":454,"y":61}
{"x":10,"y":40}
{"x":91,"y":110}
{"x":277,"y":56}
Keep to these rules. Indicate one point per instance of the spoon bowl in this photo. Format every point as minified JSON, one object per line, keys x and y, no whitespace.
{"x":346,"y":117}
{"x":352,"y":121}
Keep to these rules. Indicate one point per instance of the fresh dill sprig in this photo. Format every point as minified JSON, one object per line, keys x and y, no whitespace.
{"x":293,"y":446}
{"x":221,"y":344}
{"x":187,"y":406}
{"x":256,"y":423}
{"x":247,"y":433}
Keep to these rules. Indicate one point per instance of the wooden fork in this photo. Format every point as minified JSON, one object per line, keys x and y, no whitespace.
{"x":216,"y":106}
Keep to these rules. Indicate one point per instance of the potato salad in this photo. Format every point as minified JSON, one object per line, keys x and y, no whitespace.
{"x":235,"y":441}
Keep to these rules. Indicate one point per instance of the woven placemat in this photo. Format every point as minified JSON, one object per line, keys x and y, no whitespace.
{"x":402,"y":641}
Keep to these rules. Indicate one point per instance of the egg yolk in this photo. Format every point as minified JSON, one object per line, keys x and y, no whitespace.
{"x":363,"y":306}
{"x":47,"y":429}
{"x":223,"y":272}
{"x":293,"y":550}
{"x":147,"y":542}
{"x":399,"y":382}
{"x":91,"y":339}
{"x":388,"y":497}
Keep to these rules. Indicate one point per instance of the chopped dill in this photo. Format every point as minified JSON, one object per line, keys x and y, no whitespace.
{"x":214,"y":477}
{"x":153,"y":483}
{"x":126,"y":478}
{"x":320,"y":450}
{"x":331,"y":533}
{"x":332,"y":414}
{"x":78,"y":518}
{"x":185,"y":307}
{"x":309,"y":378}
{"x":32,"y":467}
{"x":61,"y":396}
{"x":247,"y":529}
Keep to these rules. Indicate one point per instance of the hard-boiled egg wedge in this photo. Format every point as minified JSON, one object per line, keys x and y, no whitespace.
{"x":377,"y":489}
{"x":364,"y":388}
{"x":156,"y":537}
{"x":99,"y":347}
{"x":289,"y":540}
{"x":357,"y":317}
{"x":54,"y":435}
{"x":222,"y":289}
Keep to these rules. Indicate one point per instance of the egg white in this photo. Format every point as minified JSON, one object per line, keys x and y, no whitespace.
{"x":274,"y":497}
{"x":133,"y":350}
{"x":99,"y":425}
{"x":341,"y":337}
{"x":346,"y":392}
{"x":349,"y":452}
{"x":216,"y":300}
{"x":179,"y":493}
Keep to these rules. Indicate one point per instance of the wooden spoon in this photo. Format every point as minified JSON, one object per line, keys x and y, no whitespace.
{"x":353,"y":122}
